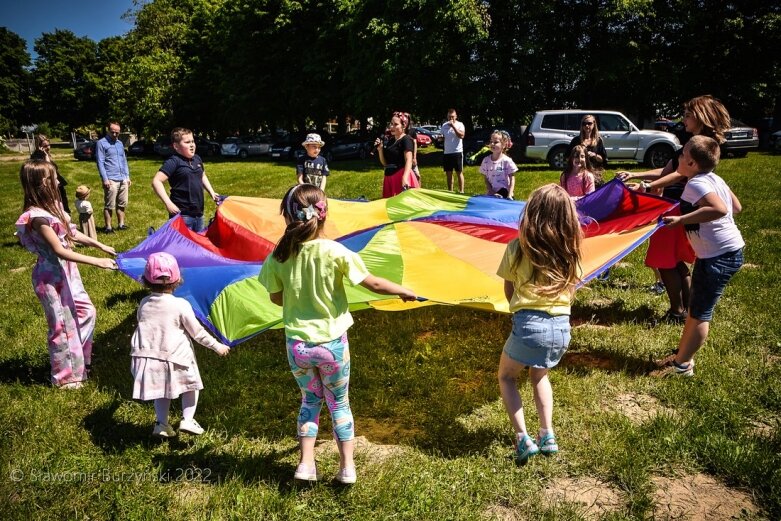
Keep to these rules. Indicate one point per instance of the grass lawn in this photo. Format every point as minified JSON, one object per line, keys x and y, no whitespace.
{"x":434,"y":441}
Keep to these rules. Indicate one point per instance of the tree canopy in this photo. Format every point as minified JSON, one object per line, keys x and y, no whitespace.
{"x":225,"y":66}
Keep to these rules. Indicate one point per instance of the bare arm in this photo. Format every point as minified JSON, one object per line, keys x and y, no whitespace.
{"x":711,"y":207}
{"x":276,"y":298}
{"x":89,"y":241}
{"x":41,"y":226}
{"x":459,"y":133}
{"x":208,"y":186}
{"x":736,"y":206}
{"x":405,"y":177}
{"x":386,"y":287}
{"x":379,"y":148}
{"x":324,"y":182}
{"x":159,"y":188}
{"x":512,"y":186}
{"x":509,"y":290}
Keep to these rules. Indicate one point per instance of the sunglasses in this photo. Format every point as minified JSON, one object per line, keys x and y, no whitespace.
{"x":587,"y":124}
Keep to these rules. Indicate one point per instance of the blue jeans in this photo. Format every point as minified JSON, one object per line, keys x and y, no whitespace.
{"x":194,"y":223}
{"x":709,"y":278}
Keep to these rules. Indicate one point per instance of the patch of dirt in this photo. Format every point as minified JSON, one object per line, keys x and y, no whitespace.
{"x":588,"y":360}
{"x":190,"y":496}
{"x":622,"y":265}
{"x":501,"y":513}
{"x":17,"y":270}
{"x":750,"y":266}
{"x":769,"y":232}
{"x":582,"y":322}
{"x":597,"y":497}
{"x":764,"y":428}
{"x":375,"y":453}
{"x":700,"y":497}
{"x":638,"y":407}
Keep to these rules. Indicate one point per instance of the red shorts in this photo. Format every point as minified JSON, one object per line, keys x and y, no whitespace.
{"x":667,"y":247}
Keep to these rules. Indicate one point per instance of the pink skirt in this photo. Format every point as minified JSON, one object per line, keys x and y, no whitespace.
{"x":392,"y":184}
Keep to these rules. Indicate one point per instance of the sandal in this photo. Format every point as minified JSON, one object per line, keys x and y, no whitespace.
{"x":548,"y":444}
{"x":525,"y":448}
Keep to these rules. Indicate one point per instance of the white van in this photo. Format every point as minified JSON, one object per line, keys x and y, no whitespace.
{"x":551,"y":131}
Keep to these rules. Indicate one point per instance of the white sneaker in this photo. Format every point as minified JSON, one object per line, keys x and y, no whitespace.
{"x":306,"y":473}
{"x":72,"y":385}
{"x":346,"y":476}
{"x":163,"y":430}
{"x":190,"y":426}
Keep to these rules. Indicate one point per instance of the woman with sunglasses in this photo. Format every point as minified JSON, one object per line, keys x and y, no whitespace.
{"x":589,"y":137}
{"x":43,"y":152}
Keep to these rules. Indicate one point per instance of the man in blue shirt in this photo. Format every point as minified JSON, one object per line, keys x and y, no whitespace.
{"x":115,"y":175}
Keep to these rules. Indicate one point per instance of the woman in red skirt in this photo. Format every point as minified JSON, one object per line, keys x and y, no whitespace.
{"x":396,"y":156}
{"x":669,"y":249}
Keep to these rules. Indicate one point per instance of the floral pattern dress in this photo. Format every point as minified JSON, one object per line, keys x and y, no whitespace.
{"x":69,"y":311}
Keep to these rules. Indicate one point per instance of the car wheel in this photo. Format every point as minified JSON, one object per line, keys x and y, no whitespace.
{"x":243,"y":154}
{"x":557,"y":158}
{"x":658,"y":156}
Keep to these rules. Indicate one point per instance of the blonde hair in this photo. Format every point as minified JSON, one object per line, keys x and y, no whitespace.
{"x":704,"y":151}
{"x":593,"y":137}
{"x":504,"y":137}
{"x":39,"y":184}
{"x":301,"y":225}
{"x":711,"y":114}
{"x":550,"y":237}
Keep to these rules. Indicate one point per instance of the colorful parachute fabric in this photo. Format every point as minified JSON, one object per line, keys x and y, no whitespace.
{"x":444,"y":246}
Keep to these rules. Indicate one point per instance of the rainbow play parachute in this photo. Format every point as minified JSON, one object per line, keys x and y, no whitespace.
{"x":444,"y":246}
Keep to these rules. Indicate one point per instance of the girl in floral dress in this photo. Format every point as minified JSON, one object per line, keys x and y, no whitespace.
{"x":46,"y":231}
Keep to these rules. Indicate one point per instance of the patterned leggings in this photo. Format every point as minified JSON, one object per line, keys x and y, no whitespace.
{"x":322,"y":370}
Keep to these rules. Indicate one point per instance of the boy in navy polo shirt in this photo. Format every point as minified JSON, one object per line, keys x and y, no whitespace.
{"x":184,"y":172}
{"x":312,"y":168}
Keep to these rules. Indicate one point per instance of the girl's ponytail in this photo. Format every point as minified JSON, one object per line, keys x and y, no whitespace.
{"x":304,"y":208}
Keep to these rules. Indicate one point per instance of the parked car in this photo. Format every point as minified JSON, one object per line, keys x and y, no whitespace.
{"x":422,"y":140}
{"x":163,"y":146}
{"x":289,"y":146}
{"x":85,"y":151}
{"x":245,"y":146}
{"x":478,"y":138}
{"x":141,"y":147}
{"x":741,"y":139}
{"x":206,"y":147}
{"x":345,"y":146}
{"x":775,"y":142}
{"x":551,"y":131}
{"x":436,"y":136}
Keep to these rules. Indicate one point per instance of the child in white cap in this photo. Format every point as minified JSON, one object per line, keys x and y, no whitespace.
{"x":84,"y":207}
{"x":312,"y":168}
{"x":164,"y":365}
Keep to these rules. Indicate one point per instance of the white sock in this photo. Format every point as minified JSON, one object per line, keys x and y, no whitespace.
{"x":546,"y":432}
{"x":189,"y":403}
{"x":161,"y":409}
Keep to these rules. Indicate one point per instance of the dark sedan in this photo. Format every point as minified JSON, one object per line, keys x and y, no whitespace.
{"x":141,"y":147}
{"x":347,"y":146}
{"x":741,"y":139}
{"x":85,"y":151}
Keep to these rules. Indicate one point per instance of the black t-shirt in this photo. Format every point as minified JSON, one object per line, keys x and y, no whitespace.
{"x":394,"y":153}
{"x":186,"y":180}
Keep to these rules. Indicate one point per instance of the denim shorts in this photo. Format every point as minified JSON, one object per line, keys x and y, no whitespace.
{"x":709,"y":278}
{"x":538,"y":339}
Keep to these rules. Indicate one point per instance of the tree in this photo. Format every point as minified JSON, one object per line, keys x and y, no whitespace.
{"x":14,"y":81}
{"x":64,"y":89}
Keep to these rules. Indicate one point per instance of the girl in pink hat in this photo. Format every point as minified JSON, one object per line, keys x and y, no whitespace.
{"x":164,"y":366}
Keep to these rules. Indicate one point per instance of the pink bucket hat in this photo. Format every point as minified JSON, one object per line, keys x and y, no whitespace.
{"x":161,"y":268}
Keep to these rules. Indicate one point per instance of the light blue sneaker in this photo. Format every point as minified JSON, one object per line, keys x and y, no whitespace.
{"x":525,"y":448}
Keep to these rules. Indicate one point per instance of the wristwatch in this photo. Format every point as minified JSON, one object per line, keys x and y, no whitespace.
{"x":645,"y":186}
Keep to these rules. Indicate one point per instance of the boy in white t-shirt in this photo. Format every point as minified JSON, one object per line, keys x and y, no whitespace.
{"x":715,"y":239}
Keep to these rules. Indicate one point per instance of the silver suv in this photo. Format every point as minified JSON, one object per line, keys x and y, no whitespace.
{"x":551,"y":131}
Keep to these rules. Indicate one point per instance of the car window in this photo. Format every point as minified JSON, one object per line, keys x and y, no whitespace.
{"x":613,"y":122}
{"x":554,"y":121}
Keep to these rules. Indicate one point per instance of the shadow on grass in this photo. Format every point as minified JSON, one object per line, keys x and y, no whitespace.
{"x":612,"y":314}
{"x":26,"y":371}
